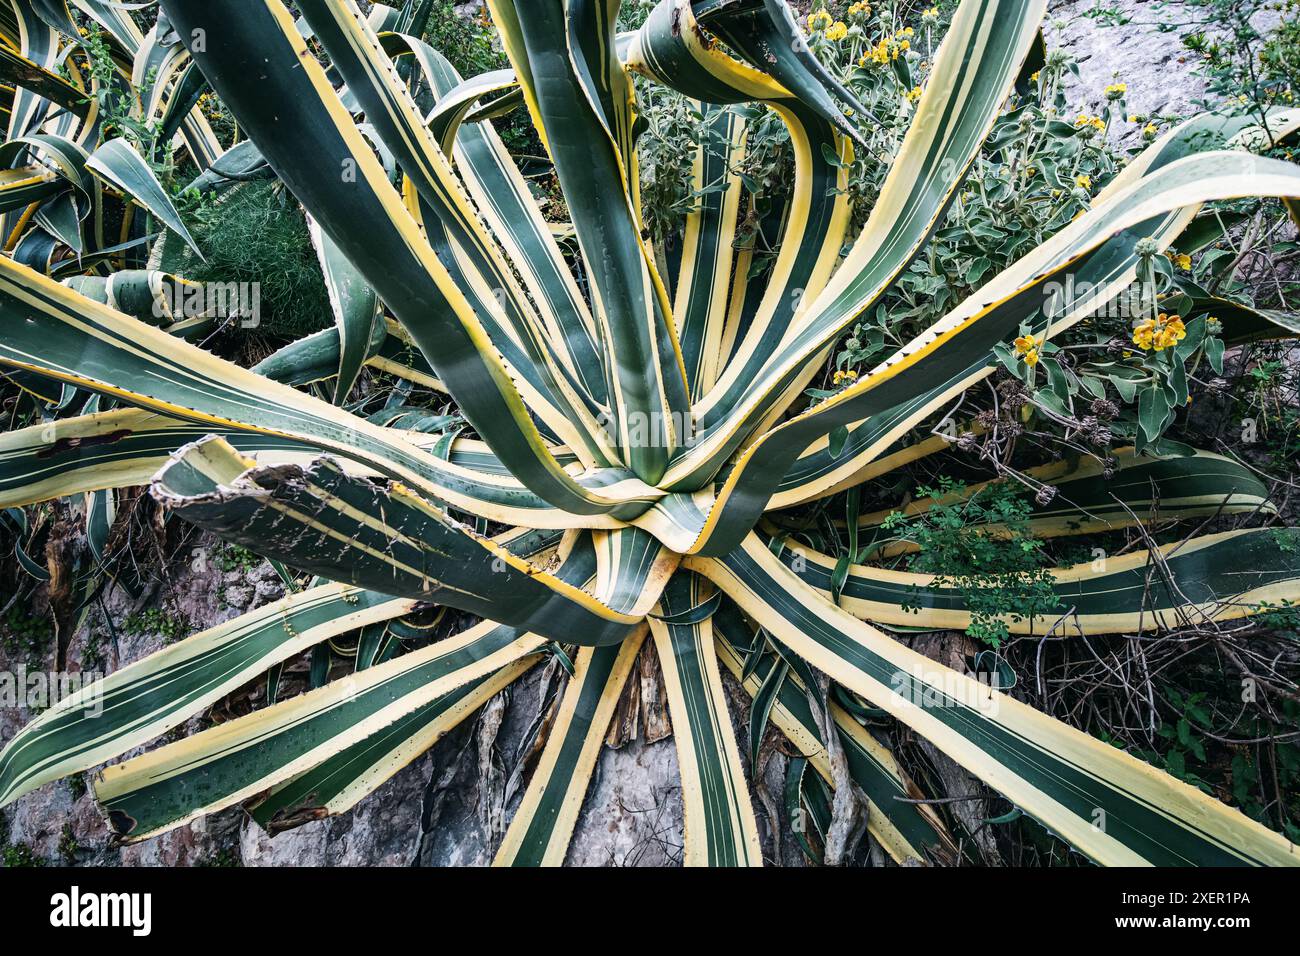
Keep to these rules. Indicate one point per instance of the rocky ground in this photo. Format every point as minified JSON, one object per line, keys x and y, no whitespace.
{"x":452,"y":805}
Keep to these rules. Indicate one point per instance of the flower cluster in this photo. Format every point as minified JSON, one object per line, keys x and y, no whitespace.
{"x":889,"y":48}
{"x":819,"y":20}
{"x":845,"y":376}
{"x":859,"y":11}
{"x":1093,"y":122}
{"x":1116,"y":90}
{"x":1163,"y":332}
{"x":837,"y":31}
{"x":1027,"y":347}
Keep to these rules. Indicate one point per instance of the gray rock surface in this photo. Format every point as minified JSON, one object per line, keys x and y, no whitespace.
{"x":1152,"y":62}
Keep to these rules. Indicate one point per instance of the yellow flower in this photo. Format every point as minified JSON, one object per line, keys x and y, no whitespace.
{"x":1033,"y":77}
{"x":1083,"y":182}
{"x":914,"y":94}
{"x":1027,"y":347}
{"x":1160,"y":333}
{"x":1150,"y":131}
{"x":859,"y":9}
{"x":837,"y":31}
{"x":931,"y":15}
{"x":1116,"y":90}
{"x":844,"y":377}
{"x":1183,"y":261}
{"x":819,"y":20}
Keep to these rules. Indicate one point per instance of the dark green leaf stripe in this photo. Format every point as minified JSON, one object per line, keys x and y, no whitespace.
{"x":632,"y":568}
{"x":699,"y":305}
{"x":718,"y":816}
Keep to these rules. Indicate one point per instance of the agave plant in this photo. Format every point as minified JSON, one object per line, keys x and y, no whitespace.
{"x":637,"y":413}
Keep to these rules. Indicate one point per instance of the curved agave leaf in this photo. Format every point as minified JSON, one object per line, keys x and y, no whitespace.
{"x":1112,"y":807}
{"x":1216,"y":577}
{"x":542,"y":827}
{"x":463,"y":246}
{"x":68,"y":337}
{"x":357,"y":310}
{"x":503,"y":198}
{"x":119,"y":164}
{"x":579,"y":99}
{"x":1087,"y":500}
{"x":349,"y":529}
{"x":669,"y":48}
{"x":719,"y":823}
{"x":240,"y":758}
{"x":338,"y":784}
{"x":905,"y":829}
{"x":148,"y":698}
{"x":396,"y":261}
{"x":975,"y":68}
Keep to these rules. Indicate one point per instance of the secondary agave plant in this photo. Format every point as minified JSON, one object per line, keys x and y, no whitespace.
{"x":637,"y":412}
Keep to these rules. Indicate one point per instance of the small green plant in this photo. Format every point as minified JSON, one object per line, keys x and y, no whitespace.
{"x":255,"y":233}
{"x":19,"y":854}
{"x":232,"y":557}
{"x":1284,"y":616}
{"x":68,"y":845}
{"x":154,"y":620}
{"x":25,"y":635}
{"x":222,"y":858}
{"x":77,"y":785}
{"x":998,"y":567}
